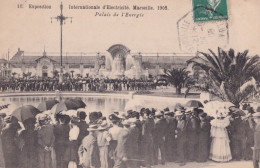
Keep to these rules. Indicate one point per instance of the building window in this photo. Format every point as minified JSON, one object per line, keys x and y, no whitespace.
{"x":44,"y":71}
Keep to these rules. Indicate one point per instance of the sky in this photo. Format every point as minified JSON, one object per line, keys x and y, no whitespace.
{"x":32,"y":30}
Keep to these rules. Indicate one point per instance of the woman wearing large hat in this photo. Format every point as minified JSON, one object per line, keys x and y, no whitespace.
{"x":103,"y":139}
{"x":220,"y":148}
{"x":88,"y":150}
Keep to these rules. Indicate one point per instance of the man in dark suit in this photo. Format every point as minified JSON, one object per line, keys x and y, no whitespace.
{"x":132,"y":144}
{"x":193,"y":125}
{"x":256,"y":151}
{"x":61,"y":133}
{"x":181,"y":136}
{"x":238,"y":137}
{"x":204,"y":137}
{"x":147,"y":138}
{"x":159,"y":136}
{"x":170,"y":141}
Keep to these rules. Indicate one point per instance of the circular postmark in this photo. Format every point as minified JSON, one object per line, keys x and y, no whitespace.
{"x":200,"y":36}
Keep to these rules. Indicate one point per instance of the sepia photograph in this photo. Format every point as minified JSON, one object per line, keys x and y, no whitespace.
{"x":129,"y":83}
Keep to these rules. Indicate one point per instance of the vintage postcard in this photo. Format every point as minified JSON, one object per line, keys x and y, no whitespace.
{"x":76,"y":75}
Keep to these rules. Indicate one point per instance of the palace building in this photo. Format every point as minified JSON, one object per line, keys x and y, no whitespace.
{"x":118,"y":61}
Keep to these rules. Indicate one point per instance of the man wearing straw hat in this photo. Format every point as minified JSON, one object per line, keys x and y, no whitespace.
{"x":114,"y":132}
{"x":103,"y":139}
{"x":88,"y":151}
{"x":121,"y":153}
{"x":256,"y":149}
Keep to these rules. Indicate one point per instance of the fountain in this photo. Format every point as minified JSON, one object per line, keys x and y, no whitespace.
{"x":120,"y":63}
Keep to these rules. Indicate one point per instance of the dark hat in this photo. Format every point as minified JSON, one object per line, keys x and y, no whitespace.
{"x":113,"y":117}
{"x":166,"y":109}
{"x":2,"y":115}
{"x":142,"y":110}
{"x":129,"y":111}
{"x":116,"y":112}
{"x":203,"y":115}
{"x":10,"y":119}
{"x":180,"y":108}
{"x":153,"y":110}
{"x":82,"y":115}
{"x":169,"y":113}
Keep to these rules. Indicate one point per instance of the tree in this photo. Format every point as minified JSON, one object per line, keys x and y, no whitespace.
{"x":177,"y":77}
{"x":72,"y":71}
{"x":228,"y":76}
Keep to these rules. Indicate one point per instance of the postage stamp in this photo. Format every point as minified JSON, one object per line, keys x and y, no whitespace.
{"x":209,"y":10}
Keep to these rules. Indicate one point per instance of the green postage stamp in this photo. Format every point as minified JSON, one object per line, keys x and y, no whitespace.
{"x":209,"y":10}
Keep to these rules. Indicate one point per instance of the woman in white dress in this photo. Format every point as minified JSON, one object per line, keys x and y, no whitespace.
{"x":220,"y":149}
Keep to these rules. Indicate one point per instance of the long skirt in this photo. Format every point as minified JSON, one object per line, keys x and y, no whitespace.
{"x":71,"y":152}
{"x":220,"y":150}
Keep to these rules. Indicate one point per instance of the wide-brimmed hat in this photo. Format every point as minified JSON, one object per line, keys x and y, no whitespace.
{"x":158,"y":114}
{"x":178,"y":113}
{"x":103,"y":125}
{"x":180,"y":108}
{"x":92,"y":127}
{"x":122,"y":115}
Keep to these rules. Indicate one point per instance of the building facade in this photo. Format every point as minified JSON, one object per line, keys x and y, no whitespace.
{"x":117,"y":62}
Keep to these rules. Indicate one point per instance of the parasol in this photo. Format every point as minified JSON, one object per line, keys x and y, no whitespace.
{"x":47,"y":105}
{"x":25,"y":112}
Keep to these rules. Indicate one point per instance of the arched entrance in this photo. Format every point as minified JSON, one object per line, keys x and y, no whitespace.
{"x":44,"y":71}
{"x":118,"y":53}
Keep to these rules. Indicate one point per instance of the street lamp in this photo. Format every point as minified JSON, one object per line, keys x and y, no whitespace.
{"x":62,"y":19}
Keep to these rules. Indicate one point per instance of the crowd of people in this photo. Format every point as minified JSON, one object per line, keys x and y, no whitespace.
{"x":85,"y":84}
{"x":131,"y":139}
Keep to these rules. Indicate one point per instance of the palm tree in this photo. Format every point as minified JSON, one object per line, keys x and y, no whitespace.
{"x":228,"y":76}
{"x":177,"y":77}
